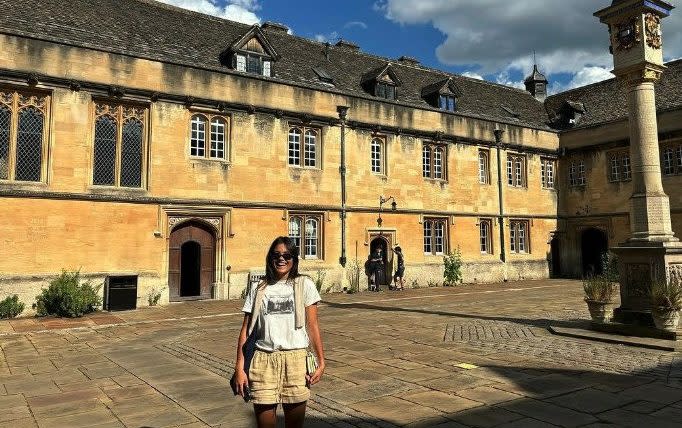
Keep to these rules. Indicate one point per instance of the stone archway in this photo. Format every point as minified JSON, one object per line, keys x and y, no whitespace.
{"x":594,"y":243}
{"x":191,"y":264}
{"x":385,"y":243}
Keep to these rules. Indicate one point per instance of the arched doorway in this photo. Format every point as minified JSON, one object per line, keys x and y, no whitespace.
{"x":383,"y":242}
{"x":191,"y":268}
{"x":594,"y":243}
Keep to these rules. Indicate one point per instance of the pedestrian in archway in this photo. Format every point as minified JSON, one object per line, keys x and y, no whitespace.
{"x":376,"y":269}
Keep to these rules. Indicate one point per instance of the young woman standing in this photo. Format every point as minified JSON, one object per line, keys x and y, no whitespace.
{"x":275,"y":312}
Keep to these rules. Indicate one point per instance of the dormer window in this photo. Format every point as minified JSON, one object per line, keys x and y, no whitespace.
{"x":447,"y":102}
{"x":442,"y":94}
{"x":385,"y":90}
{"x":382,"y":82}
{"x":252,"y":53}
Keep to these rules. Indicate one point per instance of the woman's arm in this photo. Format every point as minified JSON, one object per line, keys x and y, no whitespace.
{"x":240,"y":376}
{"x":316,"y":342}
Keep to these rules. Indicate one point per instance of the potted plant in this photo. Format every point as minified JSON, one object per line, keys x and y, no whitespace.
{"x":666,"y":301}
{"x":599,"y":291}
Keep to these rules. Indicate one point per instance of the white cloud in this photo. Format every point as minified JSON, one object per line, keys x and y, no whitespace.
{"x":234,"y":10}
{"x":472,"y":75}
{"x":331,"y":37}
{"x":359,"y":24}
{"x":584,"y":77}
{"x":498,"y":37}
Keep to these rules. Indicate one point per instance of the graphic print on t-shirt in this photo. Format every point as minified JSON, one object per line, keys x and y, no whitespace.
{"x":280,"y":305}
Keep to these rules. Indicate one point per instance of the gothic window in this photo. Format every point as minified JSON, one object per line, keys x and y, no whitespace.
{"x":306,"y":232}
{"x":119,"y":146}
{"x":547,"y":171}
{"x":435,"y":236}
{"x":484,"y":166}
{"x":434,"y":161}
{"x":208,"y":141}
{"x":485,"y":227}
{"x":576,"y":173}
{"x":619,"y":166}
{"x":377,"y":152}
{"x":519,"y":236}
{"x":304,"y":147}
{"x":516,"y":170}
{"x":23,"y":133}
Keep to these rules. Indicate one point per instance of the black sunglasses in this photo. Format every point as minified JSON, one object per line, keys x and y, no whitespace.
{"x":285,"y":256}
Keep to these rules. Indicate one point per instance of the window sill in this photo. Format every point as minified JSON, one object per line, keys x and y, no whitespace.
{"x":23,"y":185}
{"x":211,"y":160}
{"x":436,"y":180}
{"x":315,"y":261}
{"x":517,"y":187}
{"x":550,"y":189}
{"x":112,"y":190}
{"x":304,"y":168}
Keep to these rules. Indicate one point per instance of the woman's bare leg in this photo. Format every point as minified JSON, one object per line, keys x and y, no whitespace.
{"x":266,"y":415}
{"x":294,"y":414}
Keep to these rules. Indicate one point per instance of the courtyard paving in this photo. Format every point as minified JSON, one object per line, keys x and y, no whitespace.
{"x":470,"y":356}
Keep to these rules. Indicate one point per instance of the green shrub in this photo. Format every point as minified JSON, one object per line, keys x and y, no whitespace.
{"x":353,"y":271}
{"x":667,"y":294}
{"x":319,"y":279}
{"x":453,"y":268}
{"x":599,"y":288}
{"x":11,"y":307}
{"x":609,"y":265}
{"x":66,"y":296}
{"x":154,"y":296}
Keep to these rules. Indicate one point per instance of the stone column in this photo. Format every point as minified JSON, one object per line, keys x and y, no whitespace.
{"x":650,"y":207}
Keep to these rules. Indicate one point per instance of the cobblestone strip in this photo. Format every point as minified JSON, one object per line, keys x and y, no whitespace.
{"x":490,"y":331}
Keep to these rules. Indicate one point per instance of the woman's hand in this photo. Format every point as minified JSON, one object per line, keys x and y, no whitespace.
{"x":241,"y":380}
{"x":315,"y":377}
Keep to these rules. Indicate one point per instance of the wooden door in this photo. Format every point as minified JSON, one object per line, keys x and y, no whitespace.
{"x":196,"y":243}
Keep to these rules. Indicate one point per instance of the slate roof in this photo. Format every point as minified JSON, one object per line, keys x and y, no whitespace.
{"x":153,"y":30}
{"x":607,"y":101}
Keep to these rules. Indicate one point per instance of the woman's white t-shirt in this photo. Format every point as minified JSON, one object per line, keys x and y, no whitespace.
{"x":276,"y":325}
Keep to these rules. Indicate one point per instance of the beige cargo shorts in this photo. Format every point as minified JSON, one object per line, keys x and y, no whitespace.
{"x":278,"y":377}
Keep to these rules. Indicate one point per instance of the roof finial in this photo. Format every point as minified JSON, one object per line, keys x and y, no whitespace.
{"x":535,"y":61}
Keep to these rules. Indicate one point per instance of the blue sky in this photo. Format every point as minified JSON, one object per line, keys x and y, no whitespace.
{"x":489,"y":39}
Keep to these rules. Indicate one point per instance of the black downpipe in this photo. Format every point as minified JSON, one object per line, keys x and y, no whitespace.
{"x":498,"y":143}
{"x":343,"y":111}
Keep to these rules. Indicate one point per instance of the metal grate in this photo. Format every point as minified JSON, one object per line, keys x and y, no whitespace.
{"x":29,"y":145}
{"x":104,"y":171}
{"x":131,"y":154}
{"x":5,"y":119}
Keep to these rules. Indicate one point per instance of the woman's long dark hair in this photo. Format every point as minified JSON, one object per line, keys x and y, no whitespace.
{"x":270,"y":271}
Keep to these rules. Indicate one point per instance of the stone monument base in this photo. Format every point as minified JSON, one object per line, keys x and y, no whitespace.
{"x":641,"y":263}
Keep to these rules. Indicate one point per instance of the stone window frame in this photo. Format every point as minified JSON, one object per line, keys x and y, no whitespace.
{"x":577,"y":173}
{"x":208,"y":146}
{"x":15,"y":101}
{"x":519,"y":236}
{"x":378,"y":163}
{"x":431,"y":228}
{"x":675,"y":152}
{"x":122,"y":112}
{"x":484,"y":166}
{"x":517,"y":170}
{"x":300,"y":157}
{"x":316,"y":242}
{"x":619,"y":166}
{"x":485,"y":228}
{"x":430,"y":151}
{"x":548,"y":170}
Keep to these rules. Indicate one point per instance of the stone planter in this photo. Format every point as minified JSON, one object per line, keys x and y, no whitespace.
{"x":600,"y":311}
{"x":665,"y":318}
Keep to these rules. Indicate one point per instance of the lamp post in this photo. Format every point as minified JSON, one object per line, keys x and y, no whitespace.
{"x":382,"y":201}
{"x":343,"y":112}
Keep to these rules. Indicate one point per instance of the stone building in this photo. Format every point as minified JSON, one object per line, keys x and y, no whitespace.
{"x":139,"y":139}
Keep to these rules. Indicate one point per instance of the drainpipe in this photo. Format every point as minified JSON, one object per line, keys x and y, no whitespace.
{"x":343,"y":111}
{"x":498,"y":143}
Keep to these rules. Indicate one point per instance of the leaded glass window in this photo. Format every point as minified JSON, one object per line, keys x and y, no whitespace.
{"x":484,"y":166}
{"x":519,"y":236}
{"x":306,"y":232}
{"x":208,"y":142}
{"x":304,"y":154}
{"x":435,"y":236}
{"x":119,"y":146}
{"x":576,"y":173}
{"x":377,"y":156}
{"x":218,"y":138}
{"x":547,"y":167}
{"x":22,"y":136}
{"x":516,"y":170}
{"x":434,"y":161}
{"x":485,"y":227}
{"x":197,"y":144}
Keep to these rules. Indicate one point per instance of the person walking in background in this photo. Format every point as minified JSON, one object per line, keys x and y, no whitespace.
{"x":399,"y":277}
{"x":376,"y":267}
{"x":281,"y":314}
